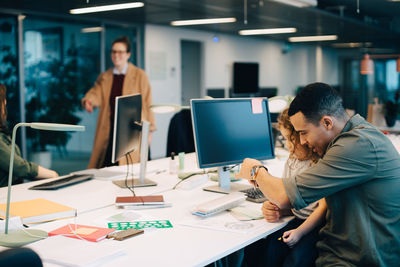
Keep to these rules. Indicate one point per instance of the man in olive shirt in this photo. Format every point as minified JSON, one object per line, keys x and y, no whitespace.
{"x":358,"y":174}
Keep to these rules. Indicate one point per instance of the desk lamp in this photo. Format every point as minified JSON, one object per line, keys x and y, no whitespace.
{"x":17,"y":238}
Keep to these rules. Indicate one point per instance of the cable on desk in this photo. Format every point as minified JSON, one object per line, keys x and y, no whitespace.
{"x":187,"y":177}
{"x":197,"y":173}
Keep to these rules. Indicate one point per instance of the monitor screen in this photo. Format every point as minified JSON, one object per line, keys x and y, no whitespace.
{"x":245,"y":78}
{"x":227,"y":131}
{"x":127,"y":125}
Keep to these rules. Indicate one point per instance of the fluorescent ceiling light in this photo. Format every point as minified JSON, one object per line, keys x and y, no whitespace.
{"x":91,"y":29}
{"x":313,"y":38}
{"x":105,"y":8}
{"x":267,"y":31}
{"x":352,"y":45}
{"x":298,"y":3}
{"x":202,"y":21}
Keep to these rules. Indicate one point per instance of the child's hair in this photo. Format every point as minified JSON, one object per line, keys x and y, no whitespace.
{"x":294,"y":137}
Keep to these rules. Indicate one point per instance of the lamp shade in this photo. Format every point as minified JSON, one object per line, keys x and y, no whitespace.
{"x":17,"y":238}
{"x":56,"y":127}
{"x":277,"y":104}
{"x":367,"y":65}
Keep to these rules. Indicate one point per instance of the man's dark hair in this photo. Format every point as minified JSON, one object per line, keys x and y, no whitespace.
{"x":125,"y":40}
{"x":317,"y":100}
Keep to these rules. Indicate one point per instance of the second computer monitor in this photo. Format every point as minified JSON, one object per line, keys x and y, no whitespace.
{"x":127,"y":125}
{"x":227,"y":131}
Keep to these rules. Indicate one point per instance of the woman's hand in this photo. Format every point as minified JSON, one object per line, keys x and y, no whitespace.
{"x":88,"y":106}
{"x":45,"y":173}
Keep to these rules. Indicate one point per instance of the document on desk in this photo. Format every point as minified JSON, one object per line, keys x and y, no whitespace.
{"x":225,"y":222}
{"x":64,"y":251}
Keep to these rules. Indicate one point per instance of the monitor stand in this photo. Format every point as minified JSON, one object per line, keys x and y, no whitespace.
{"x":225,"y":186}
{"x":144,"y":153}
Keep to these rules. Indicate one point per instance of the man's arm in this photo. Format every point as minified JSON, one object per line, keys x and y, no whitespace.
{"x":272,"y":187}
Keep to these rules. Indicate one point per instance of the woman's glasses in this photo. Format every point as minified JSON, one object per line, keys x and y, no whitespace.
{"x":118,"y":52}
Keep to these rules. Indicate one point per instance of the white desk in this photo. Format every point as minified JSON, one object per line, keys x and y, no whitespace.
{"x":178,"y":246}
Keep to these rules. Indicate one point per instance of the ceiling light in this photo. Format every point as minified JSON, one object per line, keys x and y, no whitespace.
{"x":352,"y":45}
{"x":105,"y":8}
{"x":298,"y":3}
{"x":313,"y":38}
{"x":267,"y":31}
{"x":202,"y":21}
{"x":91,"y":29}
{"x":367,"y":65}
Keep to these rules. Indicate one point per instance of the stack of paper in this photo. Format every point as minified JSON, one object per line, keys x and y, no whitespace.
{"x":220,"y":204}
{"x":138,"y":202}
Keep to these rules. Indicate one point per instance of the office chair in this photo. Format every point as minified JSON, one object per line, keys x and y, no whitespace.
{"x":180,"y":133}
{"x":20,"y":257}
{"x":267,"y":92}
{"x":216,"y":92}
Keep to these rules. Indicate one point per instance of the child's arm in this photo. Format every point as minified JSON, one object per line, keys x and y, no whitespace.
{"x":291,"y":237}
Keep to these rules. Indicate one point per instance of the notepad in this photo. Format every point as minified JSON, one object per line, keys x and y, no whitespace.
{"x":89,"y":233}
{"x":38,"y":210}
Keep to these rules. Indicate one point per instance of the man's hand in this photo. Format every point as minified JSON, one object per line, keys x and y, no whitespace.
{"x":271,"y":211}
{"x":88,"y":106}
{"x":245,"y":168}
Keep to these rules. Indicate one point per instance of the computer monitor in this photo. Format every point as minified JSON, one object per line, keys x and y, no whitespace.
{"x":245,"y":78}
{"x":130,"y":134}
{"x":127,"y":125}
{"x":226,"y":131}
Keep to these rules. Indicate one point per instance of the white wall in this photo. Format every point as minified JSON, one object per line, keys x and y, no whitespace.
{"x":283,"y":70}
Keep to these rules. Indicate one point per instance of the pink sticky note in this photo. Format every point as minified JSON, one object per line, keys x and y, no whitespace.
{"x":256,"y":105}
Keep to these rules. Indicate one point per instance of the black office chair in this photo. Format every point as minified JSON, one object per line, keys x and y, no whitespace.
{"x":20,"y":257}
{"x":180,"y":133}
{"x":216,"y":92}
{"x":268,"y":92}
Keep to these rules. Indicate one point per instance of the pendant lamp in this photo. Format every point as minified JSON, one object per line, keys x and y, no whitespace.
{"x":367,"y":65}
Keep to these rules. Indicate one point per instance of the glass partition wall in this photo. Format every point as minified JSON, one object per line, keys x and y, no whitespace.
{"x":61,"y":59}
{"x":382,"y":86}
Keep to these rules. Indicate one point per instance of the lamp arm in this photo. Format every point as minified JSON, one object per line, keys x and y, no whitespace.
{"x":10,"y":171}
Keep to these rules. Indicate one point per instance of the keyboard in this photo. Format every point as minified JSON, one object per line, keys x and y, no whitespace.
{"x":220,"y":204}
{"x":254,"y":195}
{"x":62,"y":182}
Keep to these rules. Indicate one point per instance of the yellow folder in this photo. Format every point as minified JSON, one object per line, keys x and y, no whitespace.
{"x":37,"y":210}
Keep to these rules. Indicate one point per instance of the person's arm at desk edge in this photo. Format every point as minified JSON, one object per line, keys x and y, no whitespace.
{"x":272,"y":187}
{"x":45,"y":173}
